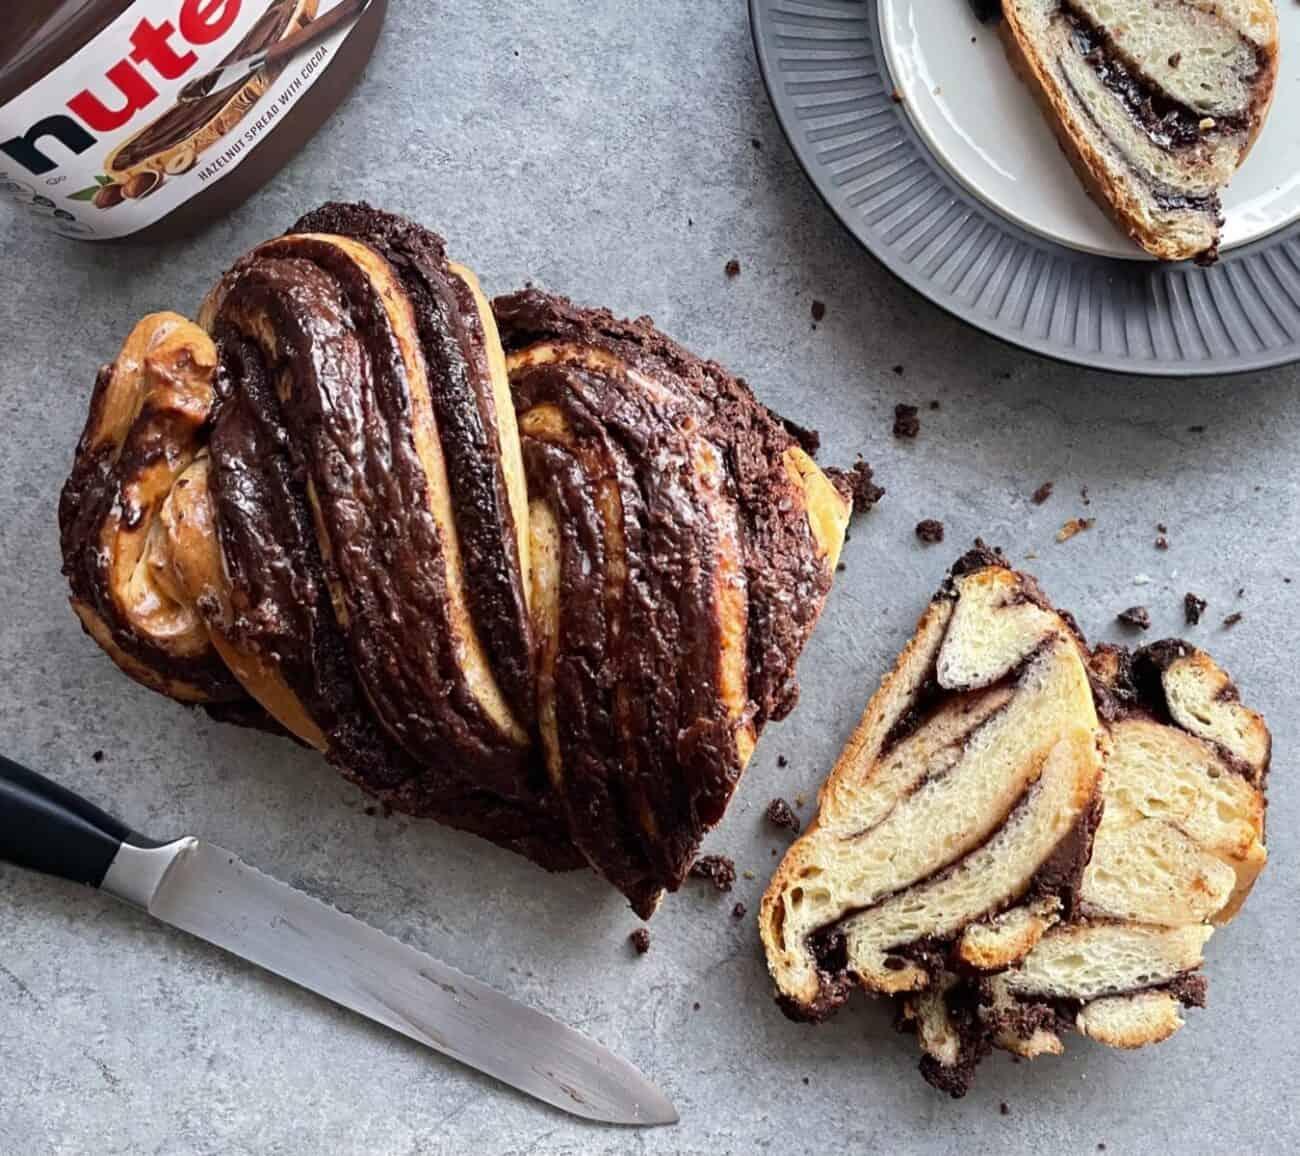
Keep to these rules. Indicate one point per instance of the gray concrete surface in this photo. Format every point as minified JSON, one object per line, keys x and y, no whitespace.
{"x":622,"y":153}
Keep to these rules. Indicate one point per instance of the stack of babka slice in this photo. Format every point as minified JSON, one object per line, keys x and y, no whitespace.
{"x":1023,"y":836}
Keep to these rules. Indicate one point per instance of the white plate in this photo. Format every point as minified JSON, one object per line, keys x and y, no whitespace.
{"x":982,"y":124}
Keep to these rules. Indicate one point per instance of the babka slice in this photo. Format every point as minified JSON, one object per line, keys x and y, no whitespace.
{"x":970,"y":788}
{"x":1155,"y":103}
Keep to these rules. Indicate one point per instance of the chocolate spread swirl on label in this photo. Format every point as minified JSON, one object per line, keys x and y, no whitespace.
{"x":185,"y":118}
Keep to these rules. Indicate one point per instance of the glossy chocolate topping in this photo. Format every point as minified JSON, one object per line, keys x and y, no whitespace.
{"x":347,"y":397}
{"x":786,"y":582}
{"x":460,"y":388}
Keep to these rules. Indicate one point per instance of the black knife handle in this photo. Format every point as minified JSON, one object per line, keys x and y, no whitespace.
{"x":48,"y":828}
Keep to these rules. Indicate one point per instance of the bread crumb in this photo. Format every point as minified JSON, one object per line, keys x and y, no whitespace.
{"x":780,"y":814}
{"x":906,"y":422}
{"x":717,"y":869}
{"x":1136,"y":616}
{"x":1074,"y":526}
{"x":930,"y":530}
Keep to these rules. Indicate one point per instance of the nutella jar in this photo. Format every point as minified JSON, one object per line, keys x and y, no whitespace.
{"x":149,"y":118}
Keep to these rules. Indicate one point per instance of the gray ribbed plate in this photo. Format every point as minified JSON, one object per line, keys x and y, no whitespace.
{"x":829,"y":83}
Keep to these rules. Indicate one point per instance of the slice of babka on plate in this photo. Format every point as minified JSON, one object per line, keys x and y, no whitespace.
{"x":1155,"y":103}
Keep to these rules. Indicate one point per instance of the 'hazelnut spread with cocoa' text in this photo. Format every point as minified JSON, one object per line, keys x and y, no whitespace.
{"x":121,"y":117}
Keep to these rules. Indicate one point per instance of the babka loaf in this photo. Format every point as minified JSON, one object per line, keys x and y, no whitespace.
{"x":1101,"y":931}
{"x":1155,"y":102}
{"x":314,"y":511}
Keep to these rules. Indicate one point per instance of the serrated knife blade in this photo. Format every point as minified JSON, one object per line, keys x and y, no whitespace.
{"x":213,"y":894}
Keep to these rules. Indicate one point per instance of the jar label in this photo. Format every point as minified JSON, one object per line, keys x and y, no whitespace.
{"x":169,"y":98}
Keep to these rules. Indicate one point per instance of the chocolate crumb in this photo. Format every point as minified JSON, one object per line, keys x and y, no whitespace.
{"x":1043,"y":492}
{"x":640,"y":939}
{"x":695,"y":1006}
{"x":780,"y":814}
{"x":930,"y":530}
{"x":782,"y":761}
{"x":1241,"y":592}
{"x":1175,"y":60}
{"x":1232,"y":619}
{"x":1195,"y":429}
{"x":1004,"y":1108}
{"x":1074,"y":526}
{"x":840,"y":567}
{"x":818,"y":310}
{"x":906,"y":422}
{"x":758,"y":144}
{"x":896,"y":96}
{"x":717,"y":869}
{"x":1137,"y":616}
{"x":738,"y":912}
{"x":1083,"y":495}
{"x":1162,"y":543}
{"x":934,"y":404}
{"x":371,"y":810}
{"x":806,"y":1080}
{"x":858,"y":484}
{"x":732,"y":268}
{"x":898,"y":369}
{"x":98,"y":756}
{"x":1161,"y":528}
{"x":1193,"y":608}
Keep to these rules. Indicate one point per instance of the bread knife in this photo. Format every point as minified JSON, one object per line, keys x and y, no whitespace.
{"x":211,"y":893}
